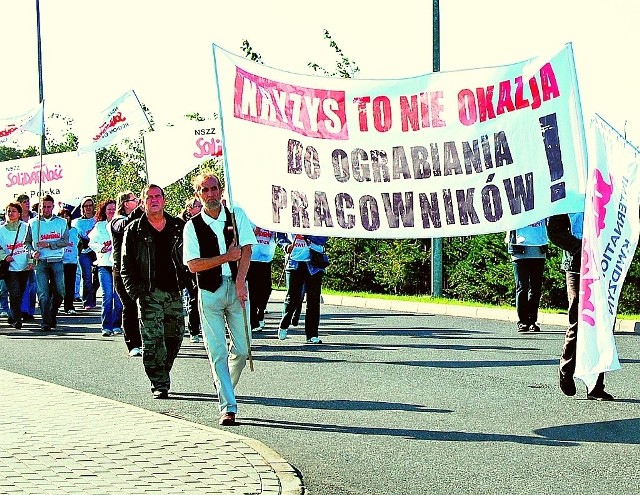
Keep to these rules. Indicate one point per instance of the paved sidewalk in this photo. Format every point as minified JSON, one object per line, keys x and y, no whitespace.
{"x":55,"y":440}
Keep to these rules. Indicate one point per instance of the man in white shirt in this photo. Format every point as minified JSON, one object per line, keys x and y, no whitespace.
{"x":220,"y":261}
{"x":50,"y":238}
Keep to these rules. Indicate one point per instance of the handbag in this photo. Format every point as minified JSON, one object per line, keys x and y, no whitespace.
{"x":319,"y":259}
{"x":4,"y":264}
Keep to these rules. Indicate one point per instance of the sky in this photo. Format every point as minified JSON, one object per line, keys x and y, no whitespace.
{"x":93,"y":52}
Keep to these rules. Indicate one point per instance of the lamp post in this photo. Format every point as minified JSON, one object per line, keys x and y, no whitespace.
{"x":436,"y":243}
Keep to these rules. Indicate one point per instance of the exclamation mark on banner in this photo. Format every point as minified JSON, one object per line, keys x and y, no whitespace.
{"x":549,"y":126}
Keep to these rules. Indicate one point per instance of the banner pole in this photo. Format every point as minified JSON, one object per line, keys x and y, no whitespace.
{"x":43,"y":144}
{"x":230,"y":194}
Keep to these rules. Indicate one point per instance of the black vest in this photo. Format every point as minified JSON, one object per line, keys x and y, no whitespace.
{"x":211,"y":279}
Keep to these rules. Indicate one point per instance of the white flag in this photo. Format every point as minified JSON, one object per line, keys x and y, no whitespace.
{"x":175,"y":151}
{"x":32,"y":121}
{"x":610,"y":237}
{"x":65,"y":176}
{"x":123,"y":118}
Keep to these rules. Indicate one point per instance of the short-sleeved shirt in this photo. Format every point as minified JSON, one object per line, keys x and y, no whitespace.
{"x":191,"y":247}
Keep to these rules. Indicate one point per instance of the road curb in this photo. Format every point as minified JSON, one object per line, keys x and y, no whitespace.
{"x":503,"y":314}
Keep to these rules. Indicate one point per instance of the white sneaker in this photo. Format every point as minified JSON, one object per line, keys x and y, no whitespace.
{"x":117,"y":331}
{"x":195,"y":339}
{"x":314,"y":340}
{"x":261,"y":323}
{"x":282,"y":333}
{"x":135,"y":352}
{"x":4,"y":314}
{"x":106,"y":332}
{"x":256,"y":330}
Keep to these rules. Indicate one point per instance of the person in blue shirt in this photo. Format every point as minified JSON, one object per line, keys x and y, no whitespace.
{"x":528,"y":249}
{"x":301,"y":272}
{"x":259,"y":276}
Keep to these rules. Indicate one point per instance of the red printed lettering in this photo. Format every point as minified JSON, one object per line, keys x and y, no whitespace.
{"x":311,"y":112}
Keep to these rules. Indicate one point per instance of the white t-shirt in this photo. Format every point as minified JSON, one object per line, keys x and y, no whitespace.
{"x":191,"y":247}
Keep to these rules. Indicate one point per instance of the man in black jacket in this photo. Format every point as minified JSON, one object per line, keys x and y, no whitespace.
{"x":565,"y":231}
{"x":153,"y":276}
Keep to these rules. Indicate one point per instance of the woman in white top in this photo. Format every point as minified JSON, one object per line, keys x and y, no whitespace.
{"x":15,"y":247}
{"x":100,"y":243}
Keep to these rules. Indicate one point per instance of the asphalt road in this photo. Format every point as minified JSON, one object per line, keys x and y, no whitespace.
{"x":392,"y":403}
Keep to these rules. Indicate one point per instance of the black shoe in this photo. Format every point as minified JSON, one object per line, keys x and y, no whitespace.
{"x":45,"y":328}
{"x":523,"y":327}
{"x":534,"y":328}
{"x":567,"y":385}
{"x":599,"y":395}
{"x":11,"y":320}
{"x":160,"y":394}
{"x":17,"y":325}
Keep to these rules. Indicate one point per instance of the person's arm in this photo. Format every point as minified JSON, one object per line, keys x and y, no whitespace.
{"x":559,"y":233}
{"x":63,"y":241}
{"x":129,"y":269}
{"x":95,"y":243}
{"x":241,"y":276}
{"x":315,"y":239}
{"x":201,"y":264}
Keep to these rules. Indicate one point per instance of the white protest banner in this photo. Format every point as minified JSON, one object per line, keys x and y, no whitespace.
{"x":443,"y":154}
{"x":610,"y":236}
{"x":124,"y":118}
{"x":31,"y":121}
{"x":65,"y":176}
{"x":175,"y":151}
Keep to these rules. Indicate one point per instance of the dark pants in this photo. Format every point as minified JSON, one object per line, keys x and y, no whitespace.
{"x":88,"y":290}
{"x":259,"y":280}
{"x":16,"y":285}
{"x":295,"y":280}
{"x":529,"y":275}
{"x":70,"y":270}
{"x":130,"y":322}
{"x":193,"y":313}
{"x":162,"y":329}
{"x":568,"y":358}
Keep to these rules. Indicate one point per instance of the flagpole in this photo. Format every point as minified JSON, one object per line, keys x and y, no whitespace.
{"x":229,"y":193}
{"x":144,"y":150}
{"x":43,"y":144}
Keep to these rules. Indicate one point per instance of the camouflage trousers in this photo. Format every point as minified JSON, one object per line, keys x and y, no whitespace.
{"x":162,"y":330}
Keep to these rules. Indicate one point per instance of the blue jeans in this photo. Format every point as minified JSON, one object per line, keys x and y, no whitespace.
{"x":29,"y":296}
{"x":88,"y":294}
{"x":111,"y":305}
{"x":50,"y":283}
{"x":4,"y":297}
